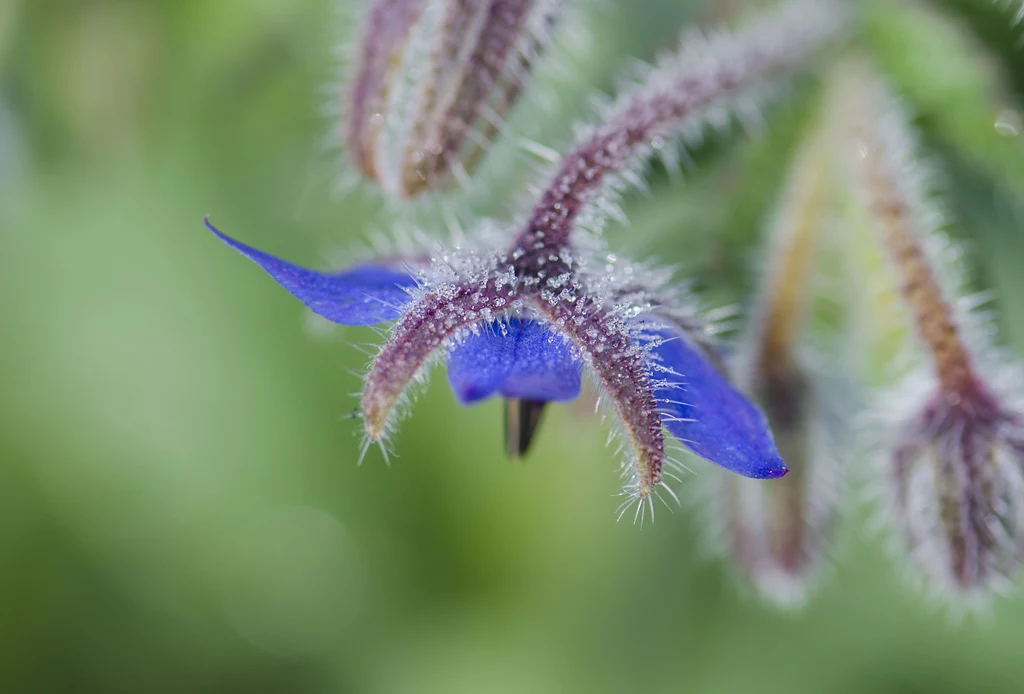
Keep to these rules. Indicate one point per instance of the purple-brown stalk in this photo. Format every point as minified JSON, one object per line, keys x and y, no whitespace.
{"x":539,"y":273}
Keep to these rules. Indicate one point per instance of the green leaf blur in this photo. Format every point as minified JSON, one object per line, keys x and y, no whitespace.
{"x":180,"y":504}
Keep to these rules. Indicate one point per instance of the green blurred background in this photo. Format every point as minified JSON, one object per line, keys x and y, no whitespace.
{"x":180,"y":505}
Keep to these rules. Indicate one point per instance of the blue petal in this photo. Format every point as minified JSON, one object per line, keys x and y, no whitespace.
{"x":716,"y":422}
{"x":522,"y":359}
{"x":545,"y":365}
{"x":362,"y":295}
{"x":479,"y":362}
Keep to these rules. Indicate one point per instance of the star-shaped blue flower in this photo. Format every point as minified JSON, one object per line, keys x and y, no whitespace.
{"x":528,"y":359}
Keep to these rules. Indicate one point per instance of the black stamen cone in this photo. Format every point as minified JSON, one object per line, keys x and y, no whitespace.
{"x":522,"y":418}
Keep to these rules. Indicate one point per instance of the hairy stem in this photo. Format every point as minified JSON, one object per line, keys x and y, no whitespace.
{"x":387,"y":29}
{"x":893,"y":213}
{"x":454,"y":107}
{"x":690,"y":88}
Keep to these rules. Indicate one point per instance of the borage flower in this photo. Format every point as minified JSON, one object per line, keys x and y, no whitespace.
{"x":531,"y":361}
{"x":522,"y":312}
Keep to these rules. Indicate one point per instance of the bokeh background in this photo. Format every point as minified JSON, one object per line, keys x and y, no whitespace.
{"x":180,"y":505}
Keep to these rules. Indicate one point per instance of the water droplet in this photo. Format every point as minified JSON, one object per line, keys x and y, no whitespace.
{"x":1008,"y":123}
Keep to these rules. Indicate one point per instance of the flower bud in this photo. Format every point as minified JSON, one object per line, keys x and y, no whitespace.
{"x":433,"y":81}
{"x":949,"y":414}
{"x":776,"y":532}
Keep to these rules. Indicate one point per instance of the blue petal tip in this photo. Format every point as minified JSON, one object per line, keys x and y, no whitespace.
{"x":707,"y":414}
{"x":360,"y":295}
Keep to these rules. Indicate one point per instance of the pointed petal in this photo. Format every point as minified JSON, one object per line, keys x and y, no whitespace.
{"x":521,"y":359}
{"x":361,"y":295}
{"x":707,"y":414}
{"x":479,"y":361}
